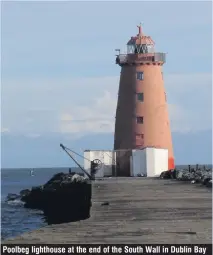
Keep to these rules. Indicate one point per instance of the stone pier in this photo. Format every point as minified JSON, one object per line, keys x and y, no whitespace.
{"x":137,"y":211}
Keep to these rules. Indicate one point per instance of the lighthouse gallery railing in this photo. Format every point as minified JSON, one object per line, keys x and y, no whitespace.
{"x":144,"y":57}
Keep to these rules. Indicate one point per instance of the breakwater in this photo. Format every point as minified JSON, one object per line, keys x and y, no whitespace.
{"x":136,"y":210}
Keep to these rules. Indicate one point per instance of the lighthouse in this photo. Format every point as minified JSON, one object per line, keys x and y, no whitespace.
{"x":142,"y":118}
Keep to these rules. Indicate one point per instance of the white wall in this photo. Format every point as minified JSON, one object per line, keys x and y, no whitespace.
{"x":131,"y":166}
{"x":109,"y":161}
{"x":149,"y":161}
{"x":106,"y":157}
{"x":157,"y":161}
{"x":138,"y":162}
{"x":143,"y":161}
{"x":161,"y":161}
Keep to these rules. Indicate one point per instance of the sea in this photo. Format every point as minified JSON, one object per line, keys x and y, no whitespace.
{"x":15,"y":219}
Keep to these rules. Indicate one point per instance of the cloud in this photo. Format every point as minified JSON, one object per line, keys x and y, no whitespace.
{"x":32,"y":135}
{"x":94,"y":118}
{"x":87,"y":105}
{"x":5,"y":130}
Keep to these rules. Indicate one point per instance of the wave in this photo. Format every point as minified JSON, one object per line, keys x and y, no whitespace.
{"x":15,"y":202}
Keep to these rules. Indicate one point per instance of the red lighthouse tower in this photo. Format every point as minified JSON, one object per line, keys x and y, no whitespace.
{"x":142,"y":118}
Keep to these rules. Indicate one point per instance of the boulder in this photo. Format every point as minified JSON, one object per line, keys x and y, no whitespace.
{"x":209,"y":184}
{"x":24,"y":192}
{"x":12,"y":197}
{"x":169,"y":174}
{"x":197,"y":175}
{"x":64,"y":198}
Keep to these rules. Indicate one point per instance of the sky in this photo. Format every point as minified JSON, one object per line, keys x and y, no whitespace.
{"x":59,"y":78}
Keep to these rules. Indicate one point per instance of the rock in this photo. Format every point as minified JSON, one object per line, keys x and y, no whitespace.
{"x":184,"y":175}
{"x":141,"y":175}
{"x":165,"y":175}
{"x":173,"y":173}
{"x":56,"y":177}
{"x":206,"y":180}
{"x":78,"y":179}
{"x":162,"y":174}
{"x":105,"y":203}
{"x":209,"y":184}
{"x":197,"y":175}
{"x":12,"y":197}
{"x":64,"y":198}
{"x":24,"y":192}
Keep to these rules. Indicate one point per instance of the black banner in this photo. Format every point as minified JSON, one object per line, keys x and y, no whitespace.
{"x":157,"y":249}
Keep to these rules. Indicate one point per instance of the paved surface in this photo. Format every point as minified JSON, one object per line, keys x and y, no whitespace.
{"x":140,"y":210}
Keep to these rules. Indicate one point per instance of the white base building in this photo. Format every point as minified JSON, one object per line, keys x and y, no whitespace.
{"x":150,"y":162}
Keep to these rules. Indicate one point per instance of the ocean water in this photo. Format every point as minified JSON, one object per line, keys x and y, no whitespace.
{"x":15,"y":219}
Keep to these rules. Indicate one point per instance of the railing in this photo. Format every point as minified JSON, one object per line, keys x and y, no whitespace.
{"x":140,"y":58}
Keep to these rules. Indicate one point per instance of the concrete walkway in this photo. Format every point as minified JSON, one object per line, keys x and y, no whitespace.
{"x":140,"y":210}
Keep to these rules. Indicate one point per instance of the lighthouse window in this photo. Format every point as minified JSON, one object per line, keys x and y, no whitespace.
{"x":150,"y":48}
{"x":140,"y":120}
{"x":140,"y":76}
{"x":140,"y":136}
{"x":140,"y":97}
